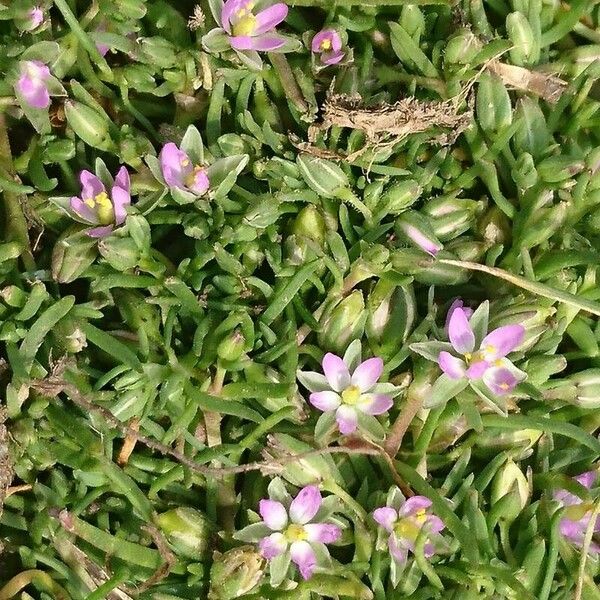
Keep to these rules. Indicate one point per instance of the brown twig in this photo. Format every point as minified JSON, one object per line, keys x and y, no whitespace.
{"x":168,"y":557}
{"x":414,"y":403}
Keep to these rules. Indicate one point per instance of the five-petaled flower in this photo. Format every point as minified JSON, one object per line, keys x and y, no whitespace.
{"x":97,"y":207}
{"x":348,"y":388}
{"x":577,"y":513}
{"x":328,"y":44}
{"x":293,"y":530}
{"x":404,"y":525}
{"x":32,"y":84}
{"x":179,"y":172}
{"x":489,"y":361}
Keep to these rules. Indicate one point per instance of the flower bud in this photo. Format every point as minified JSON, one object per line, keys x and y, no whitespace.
{"x":448,"y":227}
{"x":391,"y":312}
{"x":159,"y":52}
{"x":29,"y":19}
{"x":322,"y":176}
{"x":542,"y":225}
{"x":524,"y":173}
{"x":493,"y":107}
{"x":556,"y":169}
{"x":310,"y":223}
{"x":231,"y":348}
{"x":462,"y":47}
{"x":524,"y":50}
{"x":89,"y":125}
{"x":509,"y":479}
{"x":494,"y":227}
{"x":187,"y":530}
{"x":397,"y":197}
{"x":121,"y":253}
{"x":68,"y":337}
{"x":587,"y":393}
{"x":73,"y":253}
{"x":465,"y":249}
{"x":417,"y":230}
{"x":413,"y":21}
{"x":343,"y":323}
{"x":235,"y":573}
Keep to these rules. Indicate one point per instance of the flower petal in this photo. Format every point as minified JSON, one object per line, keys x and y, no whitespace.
{"x":83,"y":211}
{"x":460,"y":333}
{"x":435,"y":524}
{"x":500,"y":380}
{"x":587,"y":479}
{"x":273,"y":514}
{"x":572,"y":530}
{"x":200,"y":182}
{"x":398,"y":552}
{"x":326,"y":533}
{"x":100,"y":232}
{"x":175,"y":165}
{"x":305,"y":505}
{"x":374,"y":404}
{"x":326,"y":34}
{"x":273,"y":545}
{"x":347,"y":419}
{"x":304,"y":556}
{"x":33,"y":91}
{"x":386,"y":516}
{"x":458,"y":303}
{"x":421,"y":240}
{"x":261,"y":42}
{"x":502,"y":341}
{"x":477,"y":369}
{"x":325,"y":401}
{"x":413,"y":505}
{"x":454,"y":367}
{"x":332,"y":58}
{"x":336,"y":372}
{"x":121,"y":200}
{"x":269,"y":18}
{"x":365,"y":376}
{"x":91,"y":186}
{"x":122,"y":179}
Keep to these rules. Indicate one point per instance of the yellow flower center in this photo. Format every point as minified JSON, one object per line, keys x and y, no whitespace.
{"x":351,"y":395}
{"x":409,"y":527}
{"x":190,"y":180}
{"x":326,"y":44}
{"x":103,"y":208}
{"x":295,"y":533}
{"x":245,"y":25}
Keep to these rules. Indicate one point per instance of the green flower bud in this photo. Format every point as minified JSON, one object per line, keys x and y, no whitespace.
{"x":322,"y":176}
{"x":469,"y":250}
{"x":159,"y":52}
{"x":68,"y":337}
{"x":188,"y":531}
{"x":556,"y":169}
{"x":235,"y":573}
{"x":525,"y":50}
{"x":397,"y":197}
{"x":524,"y":173}
{"x":509,"y":479}
{"x":343,"y":323}
{"x":417,"y":230}
{"x":493,"y":107}
{"x":494,"y":227}
{"x":391,"y":313}
{"x":462,"y":47}
{"x":310,"y":223}
{"x":587,"y":384}
{"x":73,"y":253}
{"x":452,"y":225}
{"x":120,"y":253}
{"x":232,"y":347}
{"x":89,"y":125}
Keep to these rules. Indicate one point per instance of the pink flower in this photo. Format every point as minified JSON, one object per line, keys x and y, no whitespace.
{"x":96,"y":207}
{"x":32,"y":83}
{"x":328,"y":43}
{"x":488,"y":362}
{"x":290,"y":529}
{"x":577,"y":514}
{"x":179,"y":172}
{"x":35,"y":17}
{"x":250,"y":31}
{"x":347,"y":394}
{"x":404,"y":525}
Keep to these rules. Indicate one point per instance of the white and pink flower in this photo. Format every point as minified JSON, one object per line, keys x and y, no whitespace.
{"x":179,"y":172}
{"x":32,"y":84}
{"x":577,"y":513}
{"x":404,"y":524}
{"x":348,"y":388}
{"x":293,"y":530}
{"x":328,"y":45}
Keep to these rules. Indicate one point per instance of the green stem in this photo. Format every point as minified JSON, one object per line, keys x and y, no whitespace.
{"x":15,"y":217}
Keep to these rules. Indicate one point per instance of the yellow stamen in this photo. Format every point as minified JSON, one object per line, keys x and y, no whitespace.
{"x":89,"y":202}
{"x":190,"y":180}
{"x":421,"y":516}
{"x":351,"y":395}
{"x":504,"y":385}
{"x":295,"y":533}
{"x":490,"y":349}
{"x":468,"y":356}
{"x":245,"y":25}
{"x":104,"y":209}
{"x":326,"y":45}
{"x":185,"y":162}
